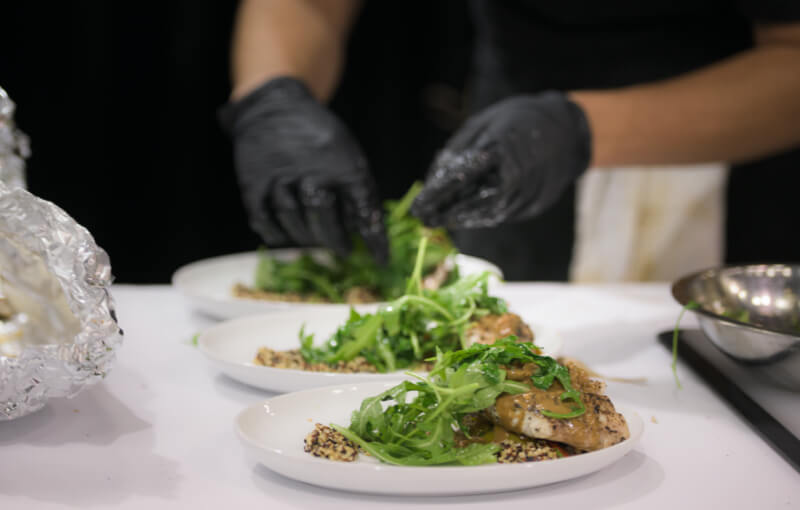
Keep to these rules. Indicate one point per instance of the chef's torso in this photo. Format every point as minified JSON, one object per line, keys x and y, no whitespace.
{"x":525,"y":46}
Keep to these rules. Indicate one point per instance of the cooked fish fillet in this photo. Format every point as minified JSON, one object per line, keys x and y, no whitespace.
{"x":599,"y":427}
{"x":582,"y":380}
{"x":490,"y":328}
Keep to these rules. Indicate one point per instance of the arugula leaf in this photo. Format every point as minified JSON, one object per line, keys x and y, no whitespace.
{"x":307,"y":349}
{"x":506,"y":351}
{"x":363,"y":336}
{"x":691,"y":305}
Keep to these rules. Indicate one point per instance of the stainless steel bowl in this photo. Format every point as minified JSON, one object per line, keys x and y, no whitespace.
{"x":752,"y":314}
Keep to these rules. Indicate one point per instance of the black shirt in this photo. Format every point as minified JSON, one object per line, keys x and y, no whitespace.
{"x":530,"y":46}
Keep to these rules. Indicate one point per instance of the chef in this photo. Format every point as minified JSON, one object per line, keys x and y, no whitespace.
{"x":597,"y":149}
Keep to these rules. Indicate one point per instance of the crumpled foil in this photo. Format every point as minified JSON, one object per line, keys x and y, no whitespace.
{"x":58,"y":329}
{"x":14,"y":145}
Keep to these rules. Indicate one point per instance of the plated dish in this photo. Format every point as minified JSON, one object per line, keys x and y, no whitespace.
{"x":208,"y":284}
{"x":407,"y":332}
{"x":502,"y":402}
{"x":231,"y":347}
{"x":275,"y":279}
{"x":357,"y":277}
{"x":273,"y":432}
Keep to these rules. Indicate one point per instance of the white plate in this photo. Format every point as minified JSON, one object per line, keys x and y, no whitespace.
{"x":273,"y":433}
{"x":207,"y":283}
{"x":232,"y":345}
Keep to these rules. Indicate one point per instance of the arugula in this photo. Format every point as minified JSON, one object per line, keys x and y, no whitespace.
{"x":419,"y":425}
{"x":330,"y":280}
{"x":691,"y":305}
{"x":506,"y":351}
{"x":405,"y":331}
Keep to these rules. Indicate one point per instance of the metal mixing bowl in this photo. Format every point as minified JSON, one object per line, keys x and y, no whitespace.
{"x":752,"y":314}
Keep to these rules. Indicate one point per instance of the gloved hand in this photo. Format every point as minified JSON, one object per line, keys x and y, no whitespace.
{"x":509,"y":162}
{"x":302,"y":176}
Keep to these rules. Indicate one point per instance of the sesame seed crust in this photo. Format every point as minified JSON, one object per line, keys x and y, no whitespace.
{"x":292,"y":359}
{"x":513,"y":452}
{"x":353,"y":296}
{"x":327,"y":443}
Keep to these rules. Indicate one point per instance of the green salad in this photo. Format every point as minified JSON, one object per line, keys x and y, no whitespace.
{"x":423,"y":419}
{"x":333,"y":280}
{"x":410,"y":328}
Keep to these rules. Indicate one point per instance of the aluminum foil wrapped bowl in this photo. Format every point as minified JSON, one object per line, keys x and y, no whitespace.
{"x":752,"y":314}
{"x":58,"y":330}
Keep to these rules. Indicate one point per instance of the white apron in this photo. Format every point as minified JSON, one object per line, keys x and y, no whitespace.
{"x":648,"y":223}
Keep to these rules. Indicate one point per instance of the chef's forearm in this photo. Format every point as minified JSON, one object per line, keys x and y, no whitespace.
{"x":742,"y":108}
{"x":300,"y":38}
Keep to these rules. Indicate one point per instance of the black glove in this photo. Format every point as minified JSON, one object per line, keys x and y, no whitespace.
{"x":509,"y":162}
{"x":302,"y":176}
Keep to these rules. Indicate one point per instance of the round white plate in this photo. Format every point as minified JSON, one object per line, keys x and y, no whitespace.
{"x":232,"y":345}
{"x":273,"y":433}
{"x":207,"y":284}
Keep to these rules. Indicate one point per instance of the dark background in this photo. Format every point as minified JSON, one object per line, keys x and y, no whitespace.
{"x":120,"y":102}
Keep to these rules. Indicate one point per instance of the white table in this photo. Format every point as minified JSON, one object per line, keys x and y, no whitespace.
{"x":158,"y":433}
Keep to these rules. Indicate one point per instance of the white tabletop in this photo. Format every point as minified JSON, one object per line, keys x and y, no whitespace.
{"x":158,"y":433}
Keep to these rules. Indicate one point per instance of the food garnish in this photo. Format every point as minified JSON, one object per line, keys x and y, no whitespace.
{"x":406,"y":331}
{"x":691,"y":305}
{"x":357,"y":278}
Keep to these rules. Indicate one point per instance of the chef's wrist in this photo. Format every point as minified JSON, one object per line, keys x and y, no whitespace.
{"x":583,"y":136}
{"x":604,"y":114}
{"x":284,"y":89}
{"x":245,"y":85}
